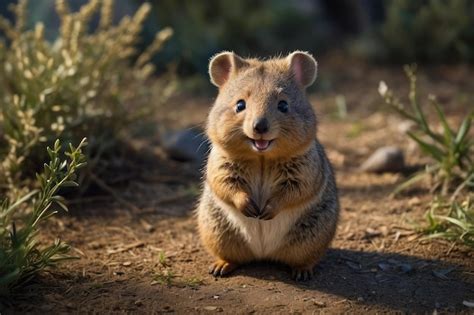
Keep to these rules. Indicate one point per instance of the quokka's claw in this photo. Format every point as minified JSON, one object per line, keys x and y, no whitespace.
{"x":221,"y":268}
{"x":302,"y":274}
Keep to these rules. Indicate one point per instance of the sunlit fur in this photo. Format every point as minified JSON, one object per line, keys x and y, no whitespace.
{"x":278,"y":204}
{"x":262,"y":84}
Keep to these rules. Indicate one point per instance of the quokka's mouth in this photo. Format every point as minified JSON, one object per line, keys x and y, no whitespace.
{"x":261,"y":145}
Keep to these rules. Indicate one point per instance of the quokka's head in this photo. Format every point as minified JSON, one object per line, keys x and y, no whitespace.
{"x":261,"y":108}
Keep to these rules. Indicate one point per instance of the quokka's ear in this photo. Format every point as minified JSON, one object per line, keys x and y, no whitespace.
{"x":223,"y":65}
{"x":304,"y":67}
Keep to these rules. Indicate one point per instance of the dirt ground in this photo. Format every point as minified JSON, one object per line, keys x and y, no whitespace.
{"x":147,"y":258}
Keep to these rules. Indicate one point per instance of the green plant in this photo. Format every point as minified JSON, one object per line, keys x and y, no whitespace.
{"x":21,"y":256}
{"x":454,"y":221}
{"x":87,"y":83}
{"x":429,"y":30}
{"x":164,"y":277}
{"x":452,"y":150}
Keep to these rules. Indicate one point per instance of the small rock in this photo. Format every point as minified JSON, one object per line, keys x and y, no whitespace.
{"x":138,"y":303}
{"x":405,"y":268}
{"x":187,"y":145}
{"x":385,"y":159}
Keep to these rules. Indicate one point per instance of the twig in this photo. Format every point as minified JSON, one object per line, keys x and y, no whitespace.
{"x":125,"y":248}
{"x":450,"y":248}
{"x":114,"y":194}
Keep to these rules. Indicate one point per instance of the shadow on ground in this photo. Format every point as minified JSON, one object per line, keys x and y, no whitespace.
{"x":398,"y":282}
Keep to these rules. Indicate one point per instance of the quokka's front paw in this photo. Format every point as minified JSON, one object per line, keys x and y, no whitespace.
{"x":221,"y":268}
{"x":268,"y":213}
{"x":248,"y":206}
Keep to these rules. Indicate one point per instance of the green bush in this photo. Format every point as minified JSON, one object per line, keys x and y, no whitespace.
{"x":451,"y":149}
{"x":81,"y":85}
{"x":87,"y":83}
{"x":428,"y":30}
{"x":21,"y":257}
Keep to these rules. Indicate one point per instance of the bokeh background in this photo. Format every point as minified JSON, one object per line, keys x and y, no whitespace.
{"x":403,"y":31}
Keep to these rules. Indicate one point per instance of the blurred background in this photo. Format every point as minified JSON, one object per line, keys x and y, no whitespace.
{"x":403,"y":31}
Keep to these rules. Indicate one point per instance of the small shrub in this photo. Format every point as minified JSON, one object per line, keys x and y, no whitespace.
{"x":452,"y":150}
{"x":429,"y":30}
{"x":454,"y":221}
{"x":84,"y":84}
{"x":21,"y":257}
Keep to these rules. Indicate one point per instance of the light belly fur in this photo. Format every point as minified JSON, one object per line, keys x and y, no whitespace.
{"x":263,"y":237}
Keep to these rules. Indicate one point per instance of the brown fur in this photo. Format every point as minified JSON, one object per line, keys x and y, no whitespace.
{"x":293,"y":175}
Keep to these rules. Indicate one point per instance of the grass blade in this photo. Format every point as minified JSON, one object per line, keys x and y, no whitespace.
{"x":430,"y":149}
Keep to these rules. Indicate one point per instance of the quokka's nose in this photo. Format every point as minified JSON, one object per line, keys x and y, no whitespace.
{"x":260,"y":125}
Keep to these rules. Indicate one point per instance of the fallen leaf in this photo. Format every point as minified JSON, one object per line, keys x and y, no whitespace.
{"x":125,"y":248}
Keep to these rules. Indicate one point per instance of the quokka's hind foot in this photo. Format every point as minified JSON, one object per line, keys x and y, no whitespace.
{"x":221,"y":268}
{"x":302,"y":274}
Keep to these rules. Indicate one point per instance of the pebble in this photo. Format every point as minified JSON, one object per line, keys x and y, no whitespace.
{"x":386,"y":159}
{"x":213,"y":308}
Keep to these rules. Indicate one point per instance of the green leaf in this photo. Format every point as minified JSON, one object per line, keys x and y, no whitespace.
{"x":62,"y":205}
{"x":463,"y":130}
{"x":430,"y":149}
{"x":411,"y":181}
{"x":22,"y":200}
{"x":448,"y":133}
{"x":70,"y":183}
{"x":459,"y":223}
{"x":10,"y":277}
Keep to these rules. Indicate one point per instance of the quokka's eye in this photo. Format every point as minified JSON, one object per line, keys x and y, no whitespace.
{"x":240,"y":106}
{"x":283,"y":106}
